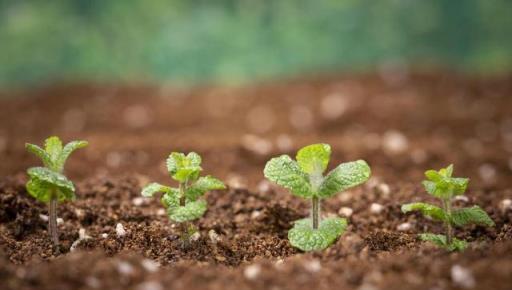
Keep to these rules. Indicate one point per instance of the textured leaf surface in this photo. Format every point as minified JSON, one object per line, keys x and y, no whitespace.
{"x":151,"y":189}
{"x":68,"y":149}
{"x":202,"y":185}
{"x":426,"y":209}
{"x":345,"y":176}
{"x":441,"y":185}
{"x":39,"y":152}
{"x":305,"y":238}
{"x":43,"y":181}
{"x":286,"y":172}
{"x":193,"y":210}
{"x":171,"y":198}
{"x":183,"y":168}
{"x":440,"y":240}
{"x":53,"y":146}
{"x":471,"y":215}
{"x":313,"y":159}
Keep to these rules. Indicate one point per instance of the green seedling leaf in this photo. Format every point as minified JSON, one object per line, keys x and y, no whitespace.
{"x":313,"y":159}
{"x":441,"y":184}
{"x":68,"y":149}
{"x":426,"y":209}
{"x":343,"y":177}
{"x":151,"y":189}
{"x":44,"y":183}
{"x":440,"y":240}
{"x":184,"y":168}
{"x":53,"y":146}
{"x":191,"y":211}
{"x":202,"y":185}
{"x":471,"y":215}
{"x":171,"y":198}
{"x":39,"y":152}
{"x":305,"y":238}
{"x":287,"y":173}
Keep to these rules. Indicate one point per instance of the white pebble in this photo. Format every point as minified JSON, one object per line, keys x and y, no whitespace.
{"x":43,"y":217}
{"x":120,"y":231}
{"x":462,"y":198}
{"x":506,"y":205}
{"x":333,"y":106}
{"x":264,"y":186}
{"x":345,"y":211}
{"x":160,"y":211}
{"x":236,"y":181}
{"x":214,"y":237}
{"x":81,"y":237}
{"x":376,"y":208}
{"x":150,"y":265}
{"x":125,"y":268}
{"x":150,"y":285}
{"x":138,"y":201}
{"x":487,"y":173}
{"x":255,"y":214}
{"x":383,"y":189}
{"x":394,"y":142}
{"x":252,"y":272}
{"x":462,"y":277}
{"x":313,"y":266}
{"x":194,"y":237}
{"x":60,"y":221}
{"x":403,"y":227}
{"x":104,"y":235}
{"x":256,"y":144}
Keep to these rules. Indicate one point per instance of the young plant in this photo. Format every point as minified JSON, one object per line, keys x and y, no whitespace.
{"x":304,"y":178}
{"x":48,"y":184}
{"x":443,"y":186}
{"x":183,"y":204}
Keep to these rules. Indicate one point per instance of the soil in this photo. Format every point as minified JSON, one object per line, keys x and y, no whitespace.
{"x":401,"y":123}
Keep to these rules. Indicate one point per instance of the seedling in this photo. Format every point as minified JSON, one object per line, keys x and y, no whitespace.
{"x":443,"y":186}
{"x":48,"y":184}
{"x":304,"y":178}
{"x":183,"y":204}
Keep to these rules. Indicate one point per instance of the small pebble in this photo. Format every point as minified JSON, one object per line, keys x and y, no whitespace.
{"x":104,"y":235}
{"x":376,"y":208}
{"x":43,"y":217}
{"x":462,"y":277}
{"x":236,"y":181}
{"x":120,"y":231}
{"x":150,"y":265}
{"x":345,"y":211}
{"x":462,"y":198}
{"x":125,"y":268}
{"x":214,"y":237}
{"x":403,"y":227}
{"x":160,"y":211}
{"x":506,"y":205}
{"x":383,"y":189}
{"x":313,"y":266}
{"x":150,"y":285}
{"x":256,"y":145}
{"x":255,"y":214}
{"x":394,"y":142}
{"x":252,"y":272}
{"x":60,"y":221}
{"x":264,"y":186}
{"x":195,"y":236}
{"x":138,"y":201}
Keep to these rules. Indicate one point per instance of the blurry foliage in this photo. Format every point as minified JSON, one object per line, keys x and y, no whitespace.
{"x":238,"y":40}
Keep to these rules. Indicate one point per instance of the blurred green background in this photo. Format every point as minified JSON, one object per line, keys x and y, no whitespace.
{"x":246,"y":40}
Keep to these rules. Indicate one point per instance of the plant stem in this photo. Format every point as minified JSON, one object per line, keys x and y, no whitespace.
{"x":185,"y":237}
{"x":447,"y":204}
{"x":315,"y":211}
{"x":52,"y":219}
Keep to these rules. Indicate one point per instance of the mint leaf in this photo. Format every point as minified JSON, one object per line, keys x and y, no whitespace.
{"x":471,"y":215}
{"x":191,"y":211}
{"x":152,"y":188}
{"x":202,"y":185}
{"x":305,"y":238}
{"x":45,"y":182}
{"x":440,"y":240}
{"x":459,"y":185}
{"x":184,"y":168}
{"x":287,"y":173}
{"x":53,"y":146}
{"x":313,"y":159}
{"x":39,"y":152}
{"x":68,"y":149}
{"x":426,"y":209}
{"x":343,"y":177}
{"x":171,"y":198}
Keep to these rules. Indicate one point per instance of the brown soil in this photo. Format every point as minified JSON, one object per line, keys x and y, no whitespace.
{"x":131,"y":129}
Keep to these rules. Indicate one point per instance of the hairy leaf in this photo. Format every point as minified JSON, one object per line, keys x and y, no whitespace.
{"x":68,"y":149}
{"x":152,"y":188}
{"x":39,"y":152}
{"x":191,"y":211}
{"x":184,"y":168}
{"x":441,"y":185}
{"x":426,"y":209}
{"x":440,"y":240}
{"x":305,"y":238}
{"x":459,"y":185}
{"x":45,"y":182}
{"x":53,"y":146}
{"x":345,"y":176}
{"x":286,"y":172}
{"x":202,"y":185}
{"x":471,"y":215}
{"x":171,"y":198}
{"x":313,"y":159}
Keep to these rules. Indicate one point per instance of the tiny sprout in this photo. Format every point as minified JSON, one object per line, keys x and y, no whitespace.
{"x":183,"y":204}
{"x":443,"y":186}
{"x":48,"y":184}
{"x":304,"y":178}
